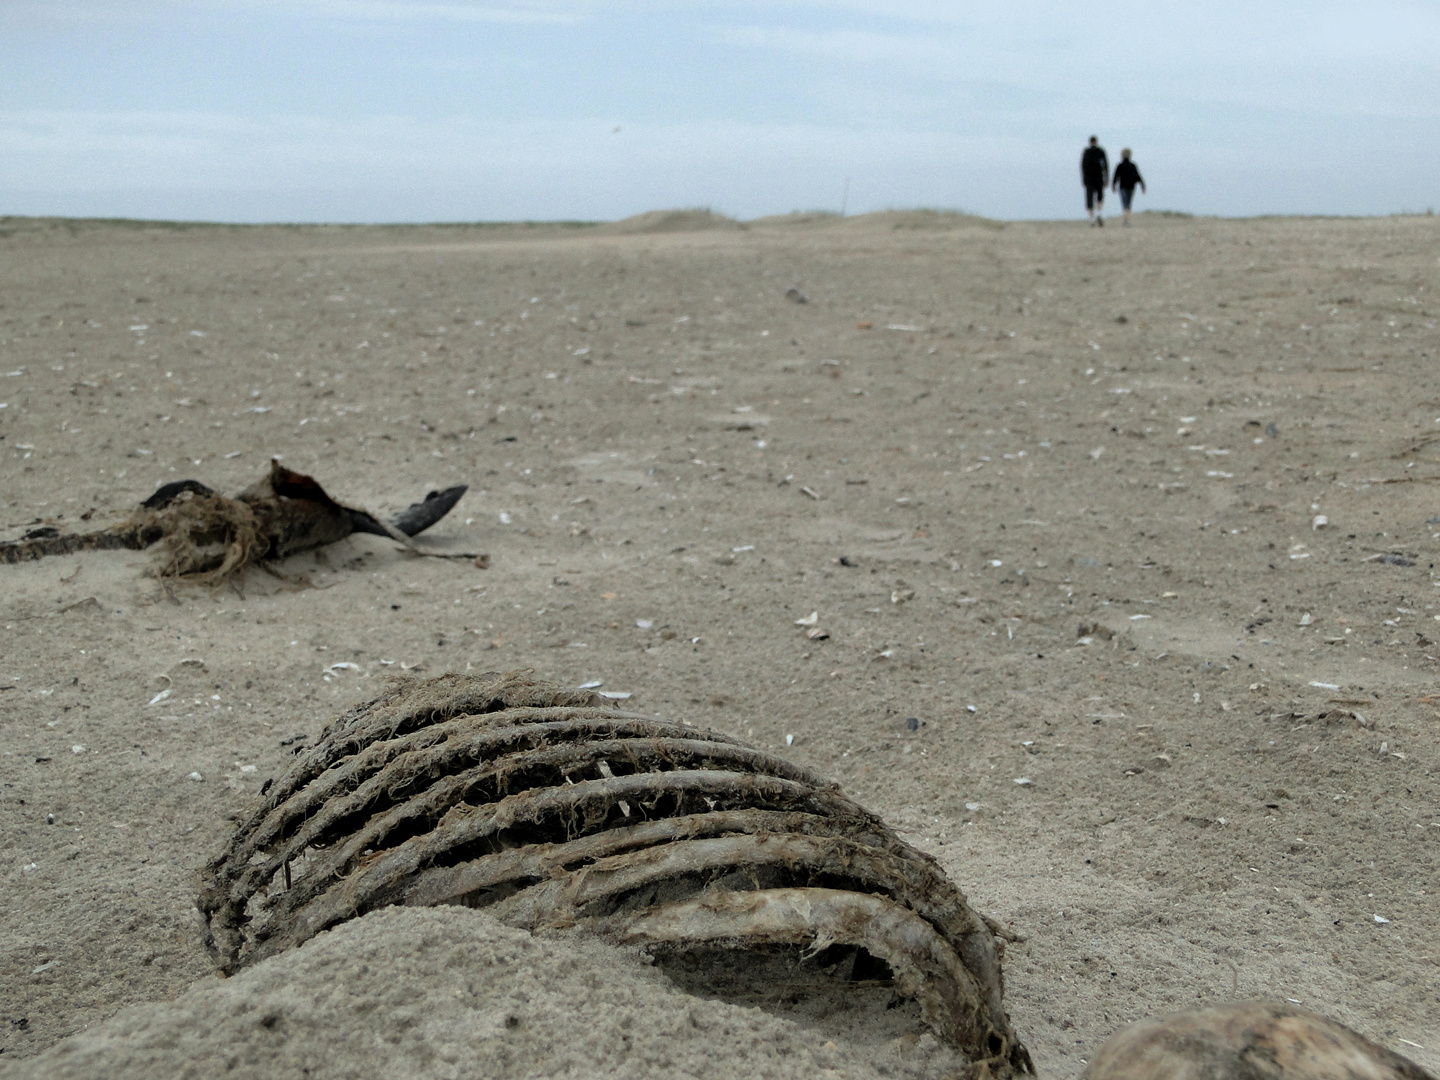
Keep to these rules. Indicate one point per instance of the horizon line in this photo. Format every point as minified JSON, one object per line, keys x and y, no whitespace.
{"x":713,"y":217}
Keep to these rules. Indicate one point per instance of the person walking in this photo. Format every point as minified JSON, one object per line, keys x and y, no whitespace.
{"x":1095,"y":175}
{"x":1127,"y":177}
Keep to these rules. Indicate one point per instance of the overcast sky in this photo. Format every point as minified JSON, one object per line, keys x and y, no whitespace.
{"x":392,"y":110}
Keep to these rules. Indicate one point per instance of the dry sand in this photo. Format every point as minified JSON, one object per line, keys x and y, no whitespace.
{"x":1230,"y":776}
{"x":451,"y":993}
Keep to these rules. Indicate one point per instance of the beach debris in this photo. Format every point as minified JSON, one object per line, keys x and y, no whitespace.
{"x":1281,"y":1041}
{"x":809,"y":620}
{"x":1318,"y":522}
{"x":333,"y":671}
{"x":208,"y":537}
{"x":795,"y":296}
{"x":1389,"y":558}
{"x":550,"y":807}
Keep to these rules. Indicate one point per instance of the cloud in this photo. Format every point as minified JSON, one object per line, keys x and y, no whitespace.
{"x":1322,"y":62}
{"x":406,"y":11}
{"x":79,"y":14}
{"x":862,"y":46}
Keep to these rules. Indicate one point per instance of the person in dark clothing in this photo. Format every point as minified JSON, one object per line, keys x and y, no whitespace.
{"x":1095,"y":175}
{"x":1127,"y":177}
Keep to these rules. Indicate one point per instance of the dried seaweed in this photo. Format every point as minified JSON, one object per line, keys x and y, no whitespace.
{"x":552,"y":808}
{"x":208,"y":537}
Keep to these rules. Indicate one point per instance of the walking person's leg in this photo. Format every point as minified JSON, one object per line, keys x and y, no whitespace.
{"x":1094,"y":203}
{"x":1126,"y":195}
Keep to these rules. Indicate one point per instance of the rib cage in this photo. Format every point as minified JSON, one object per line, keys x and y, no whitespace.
{"x":552,"y":808}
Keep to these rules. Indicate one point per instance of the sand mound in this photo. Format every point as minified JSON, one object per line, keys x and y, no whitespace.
{"x":450,"y":992}
{"x":920,"y":221}
{"x":667,"y":221}
{"x":799,"y":219}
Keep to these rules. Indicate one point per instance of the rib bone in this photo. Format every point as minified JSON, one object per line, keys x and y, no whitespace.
{"x":554,"y":809}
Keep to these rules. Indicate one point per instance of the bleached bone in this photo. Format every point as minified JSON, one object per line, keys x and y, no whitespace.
{"x":926,"y":967}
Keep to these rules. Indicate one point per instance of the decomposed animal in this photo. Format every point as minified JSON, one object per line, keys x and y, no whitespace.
{"x":553,"y":808}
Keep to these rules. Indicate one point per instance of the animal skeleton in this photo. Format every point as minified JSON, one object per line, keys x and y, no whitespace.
{"x":552,"y":808}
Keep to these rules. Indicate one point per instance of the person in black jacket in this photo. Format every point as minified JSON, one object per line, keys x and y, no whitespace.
{"x":1127,"y":177}
{"x":1095,"y":175}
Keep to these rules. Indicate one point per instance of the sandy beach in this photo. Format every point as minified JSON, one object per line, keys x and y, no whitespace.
{"x":1137,"y":526}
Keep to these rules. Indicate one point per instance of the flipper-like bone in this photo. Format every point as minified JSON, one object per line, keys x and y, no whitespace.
{"x":415,"y":518}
